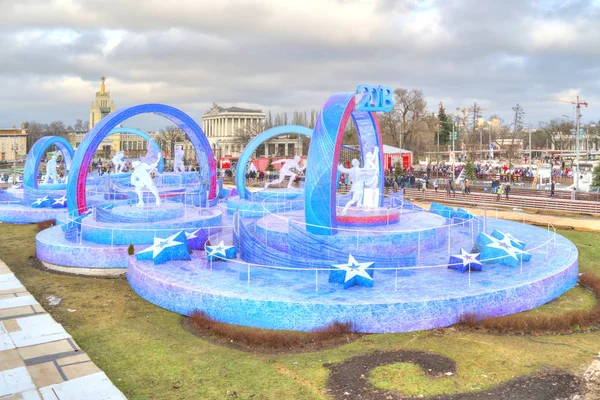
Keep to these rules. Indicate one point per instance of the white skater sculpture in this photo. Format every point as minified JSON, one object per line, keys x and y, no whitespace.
{"x":358,"y":184}
{"x":287,"y":170}
{"x":178,"y":165}
{"x":51,"y":170}
{"x":141,"y":178}
{"x":118,"y":162}
{"x":371,"y":178}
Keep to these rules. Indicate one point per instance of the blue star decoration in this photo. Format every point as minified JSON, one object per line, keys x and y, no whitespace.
{"x":196,"y":239}
{"x":513,"y":240}
{"x":172,"y":248}
{"x":353,"y":273}
{"x":499,"y":251}
{"x":220,"y":251}
{"x":42,"y":202}
{"x":60,"y":202}
{"x":465,"y":261}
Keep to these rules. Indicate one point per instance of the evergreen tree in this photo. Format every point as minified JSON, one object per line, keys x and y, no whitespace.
{"x":445,"y":128}
{"x":398,"y":170}
{"x":470,"y":170}
{"x":596,"y":176}
{"x":270,"y":167}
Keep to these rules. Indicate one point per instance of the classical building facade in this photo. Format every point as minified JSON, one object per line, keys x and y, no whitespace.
{"x":13,"y":143}
{"x":102,"y":106}
{"x":229,"y":129}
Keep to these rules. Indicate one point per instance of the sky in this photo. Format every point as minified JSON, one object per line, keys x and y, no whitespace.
{"x":284,"y":55}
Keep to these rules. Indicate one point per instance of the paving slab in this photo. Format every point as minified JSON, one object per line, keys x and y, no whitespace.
{"x":38,"y":357}
{"x":96,"y":386}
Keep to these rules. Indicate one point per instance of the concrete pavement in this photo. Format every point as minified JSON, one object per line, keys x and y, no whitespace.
{"x":38,"y":358}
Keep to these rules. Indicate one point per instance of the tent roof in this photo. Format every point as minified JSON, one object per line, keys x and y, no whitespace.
{"x":394,"y":150}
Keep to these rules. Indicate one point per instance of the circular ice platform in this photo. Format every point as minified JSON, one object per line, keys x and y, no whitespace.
{"x":130,"y":213}
{"x":257,"y":209}
{"x":53,"y":248}
{"x":16,"y":213}
{"x":428,"y":295}
{"x":123,"y":234}
{"x":414,"y":229}
{"x":368,"y":216}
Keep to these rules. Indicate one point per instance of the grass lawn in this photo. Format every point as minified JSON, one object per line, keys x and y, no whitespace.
{"x":148,"y":355}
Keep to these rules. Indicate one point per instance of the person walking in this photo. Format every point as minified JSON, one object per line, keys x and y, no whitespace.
{"x":507,"y":190}
{"x":435,"y":185}
{"x":499,"y":193}
{"x":573,"y":193}
{"x":453,"y":187}
{"x":448,"y":188}
{"x":468,"y":186}
{"x":552,"y":187}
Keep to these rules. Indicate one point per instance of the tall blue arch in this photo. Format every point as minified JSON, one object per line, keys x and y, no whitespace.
{"x":76,"y":187}
{"x":146,"y":137}
{"x":323,"y":157}
{"x":32,"y":164}
{"x":240,"y":170}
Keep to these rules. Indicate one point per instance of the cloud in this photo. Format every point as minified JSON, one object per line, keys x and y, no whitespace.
{"x":293,"y":55}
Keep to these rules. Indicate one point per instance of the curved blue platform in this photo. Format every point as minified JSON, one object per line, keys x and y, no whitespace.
{"x":143,"y":232}
{"x":53,"y":248}
{"x":263,"y":202}
{"x":17,"y":213}
{"x":402,"y":299}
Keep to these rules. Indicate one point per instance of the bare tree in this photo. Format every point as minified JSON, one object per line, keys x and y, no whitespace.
{"x":167,"y":138}
{"x":555,"y":133}
{"x":406,"y":120}
{"x":246,"y":133}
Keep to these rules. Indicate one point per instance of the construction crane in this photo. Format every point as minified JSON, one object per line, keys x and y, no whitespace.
{"x":578,"y":103}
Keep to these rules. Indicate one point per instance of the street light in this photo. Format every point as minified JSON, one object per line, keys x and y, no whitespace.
{"x":15,"y":148}
{"x":577,"y":133}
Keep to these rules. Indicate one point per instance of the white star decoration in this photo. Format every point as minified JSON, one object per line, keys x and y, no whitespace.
{"x":192,"y":235}
{"x":161,"y":244}
{"x":504,"y":244}
{"x":511,"y":239}
{"x":354,"y":268}
{"x":468,"y":258}
{"x":62,"y":200}
{"x":219,"y":250}
{"x":40,"y":200}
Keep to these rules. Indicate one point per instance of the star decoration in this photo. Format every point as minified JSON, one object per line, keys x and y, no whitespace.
{"x":495,"y":251}
{"x":60,"y":202}
{"x":465,"y":261}
{"x":196,"y":239}
{"x":510,"y":238}
{"x":41,"y":202}
{"x":353,"y":273}
{"x":220,"y":251}
{"x":174,"y":247}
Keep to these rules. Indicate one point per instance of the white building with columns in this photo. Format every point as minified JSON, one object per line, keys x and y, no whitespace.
{"x":224,"y":126}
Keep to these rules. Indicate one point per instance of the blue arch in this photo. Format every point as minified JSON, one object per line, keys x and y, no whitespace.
{"x":76,"y":187}
{"x":146,"y":137}
{"x":323,"y":157}
{"x":32,"y":164}
{"x":240,"y":170}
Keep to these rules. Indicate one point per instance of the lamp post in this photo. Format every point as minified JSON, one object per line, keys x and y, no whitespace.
{"x":298,"y":145}
{"x":578,"y":131}
{"x":15,"y":148}
{"x":453,"y":154}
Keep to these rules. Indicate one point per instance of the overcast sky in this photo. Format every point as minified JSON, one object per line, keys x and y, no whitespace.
{"x":282,"y":55}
